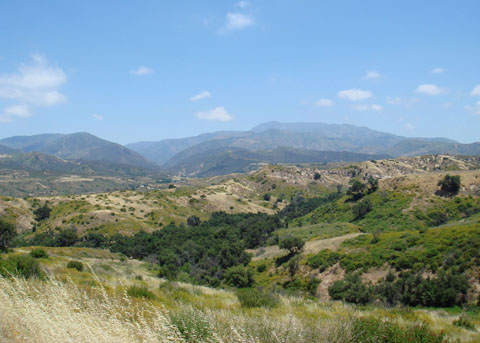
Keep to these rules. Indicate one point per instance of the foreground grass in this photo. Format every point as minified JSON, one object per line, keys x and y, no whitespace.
{"x":120,"y":301}
{"x":55,"y":311}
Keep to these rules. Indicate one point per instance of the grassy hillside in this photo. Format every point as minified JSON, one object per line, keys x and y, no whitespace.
{"x":121,"y":300}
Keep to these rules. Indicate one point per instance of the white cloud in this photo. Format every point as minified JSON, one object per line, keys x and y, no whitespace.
{"x":324,"y":103}
{"x":35,"y":84}
{"x":438,"y":70}
{"x":97,"y":117}
{"x":15,"y":111}
{"x":242,"y":4}
{"x":140,"y":71}
{"x":430,"y":89}
{"x":394,"y":100}
{"x":371,"y":75}
{"x":354,"y":94}
{"x":409,"y":126}
{"x":475,"y":109}
{"x":476,"y":91}
{"x":237,"y":21}
{"x":217,"y":114}
{"x":373,"y":107}
{"x":200,"y":96}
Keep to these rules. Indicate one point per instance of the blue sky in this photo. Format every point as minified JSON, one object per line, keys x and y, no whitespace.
{"x":129,"y":71}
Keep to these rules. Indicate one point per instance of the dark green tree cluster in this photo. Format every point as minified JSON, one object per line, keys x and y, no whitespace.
{"x":204,"y":252}
{"x":351,"y":289}
{"x":358,"y":189}
{"x":449,"y":185}
{"x":299,"y":206}
{"x":447,"y":289}
{"x":7,"y":234}
{"x":42,"y":213}
{"x":64,"y":238}
{"x":362,"y":208}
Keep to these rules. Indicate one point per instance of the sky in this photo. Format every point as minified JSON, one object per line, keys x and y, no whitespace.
{"x":131,"y":71}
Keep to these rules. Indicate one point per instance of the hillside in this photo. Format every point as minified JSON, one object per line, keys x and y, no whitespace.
{"x":376,"y":233}
{"x":221,"y":161}
{"x":24,"y":174}
{"x":129,"y":211}
{"x":4,"y":150}
{"x":77,"y":146}
{"x":415,"y":147}
{"x":163,"y":150}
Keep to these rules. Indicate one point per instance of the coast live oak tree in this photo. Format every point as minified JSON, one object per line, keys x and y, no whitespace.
{"x":7,"y":233}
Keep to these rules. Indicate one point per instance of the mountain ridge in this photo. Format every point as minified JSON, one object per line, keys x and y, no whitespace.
{"x":78,"y":146}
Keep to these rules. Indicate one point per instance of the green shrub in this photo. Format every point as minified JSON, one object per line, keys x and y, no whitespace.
{"x":192,"y":325}
{"x":375,"y":330}
{"x":21,"y":265}
{"x":323,"y":260}
{"x":362,"y":208}
{"x":261,"y":268}
{"x":464,"y":322}
{"x":239,"y":276}
{"x":252,"y":297}
{"x":38,"y":253}
{"x":75,"y":265}
{"x":140,"y":292}
{"x":350,"y":289}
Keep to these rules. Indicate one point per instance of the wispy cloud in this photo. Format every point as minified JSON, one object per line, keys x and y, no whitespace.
{"x":393,"y":100}
{"x":36,"y":83}
{"x":399,"y":101}
{"x":372,"y":75}
{"x":141,"y":71}
{"x":33,"y":84}
{"x":354,"y":94}
{"x":97,"y":117}
{"x":200,"y":96}
{"x":363,"y":107}
{"x":476,"y":91}
{"x":10,"y":113}
{"x":242,"y":4}
{"x":324,"y":103}
{"x":217,"y":114}
{"x":475,"y":109}
{"x":438,"y":70}
{"x":237,"y":21}
{"x":431,"y":89}
{"x":409,"y":126}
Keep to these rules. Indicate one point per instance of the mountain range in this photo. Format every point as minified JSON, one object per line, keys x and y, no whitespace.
{"x":221,"y":152}
{"x":275,"y":142}
{"x":78,"y":146}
